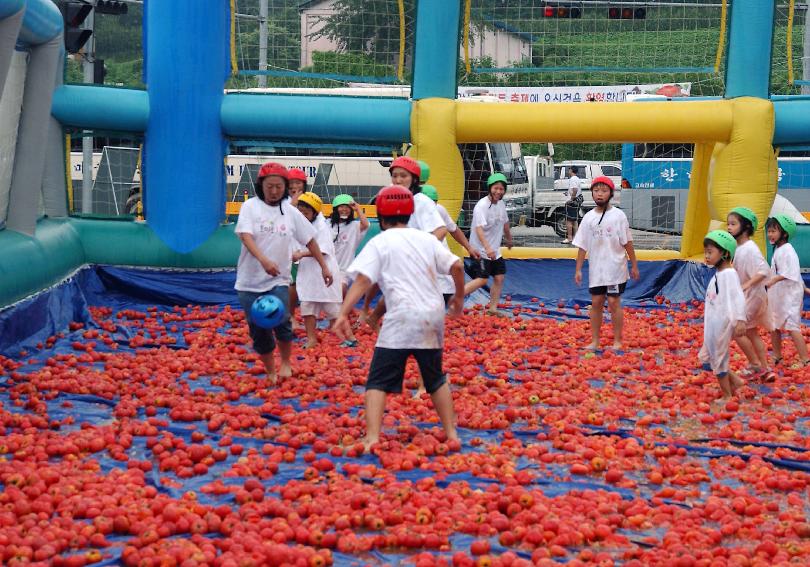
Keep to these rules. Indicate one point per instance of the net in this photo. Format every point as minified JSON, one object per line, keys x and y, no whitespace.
{"x":541,"y":43}
{"x":323,"y":43}
{"x":10,"y":109}
{"x":790,"y":68}
{"x":114,"y":182}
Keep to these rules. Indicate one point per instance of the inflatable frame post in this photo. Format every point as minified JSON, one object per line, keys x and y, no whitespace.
{"x":187,"y":53}
{"x":743,"y":172}
{"x":433,"y":117}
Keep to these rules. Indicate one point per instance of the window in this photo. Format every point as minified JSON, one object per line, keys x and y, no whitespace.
{"x":611,"y":171}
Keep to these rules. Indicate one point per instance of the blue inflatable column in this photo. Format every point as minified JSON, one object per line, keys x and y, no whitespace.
{"x":436,"y":51}
{"x":748,"y":63}
{"x":187,"y":64}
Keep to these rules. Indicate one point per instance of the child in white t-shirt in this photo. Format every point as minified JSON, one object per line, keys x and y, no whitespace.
{"x":724,"y":314}
{"x":314,"y":295}
{"x":490,"y":225}
{"x":269,"y":229}
{"x":572,"y":205}
{"x":785,"y":289}
{"x":347,"y":233}
{"x":406,"y":172}
{"x":405,"y":263}
{"x":753,"y":271}
{"x":604,"y":235}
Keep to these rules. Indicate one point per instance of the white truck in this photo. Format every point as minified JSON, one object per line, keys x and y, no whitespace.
{"x":549,"y":187}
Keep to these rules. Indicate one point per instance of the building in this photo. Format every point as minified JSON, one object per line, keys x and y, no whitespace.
{"x":496,"y":40}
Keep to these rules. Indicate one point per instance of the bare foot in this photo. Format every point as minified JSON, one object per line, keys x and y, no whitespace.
{"x":735,"y":383}
{"x":592,"y":347}
{"x":271,"y":380}
{"x":285,"y":371}
{"x":311,"y":343}
{"x":618,"y":346}
{"x":368,"y":444}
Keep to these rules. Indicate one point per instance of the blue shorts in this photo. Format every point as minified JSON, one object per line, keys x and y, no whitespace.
{"x":264,"y":340}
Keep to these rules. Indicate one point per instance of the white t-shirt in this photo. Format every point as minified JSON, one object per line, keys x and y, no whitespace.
{"x":425,"y":217}
{"x":749,"y":262}
{"x":786,"y":297}
{"x":446,"y":281}
{"x":347,"y":237}
{"x":276,"y":235}
{"x":406,"y":263}
{"x":309,"y":281}
{"x":574,"y":187}
{"x":604,"y":238}
{"x":725,"y":307}
{"x":492,"y":218}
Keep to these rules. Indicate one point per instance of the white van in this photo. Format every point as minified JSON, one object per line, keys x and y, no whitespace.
{"x":587,"y":171}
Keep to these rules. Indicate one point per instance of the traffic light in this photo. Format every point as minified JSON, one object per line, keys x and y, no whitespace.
{"x":626,"y":13}
{"x":74,"y":12}
{"x":561,"y":11}
{"x":113,"y":7}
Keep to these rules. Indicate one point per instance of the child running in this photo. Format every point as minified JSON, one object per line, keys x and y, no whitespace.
{"x":269,"y":228}
{"x":315,"y":296}
{"x":446,"y":282}
{"x":405,"y":262}
{"x":785,"y":289}
{"x":490,"y":225}
{"x":604,"y":235}
{"x":405,"y":172}
{"x":724,"y":314}
{"x":349,"y":227}
{"x":298,"y":185}
{"x":753,"y":271}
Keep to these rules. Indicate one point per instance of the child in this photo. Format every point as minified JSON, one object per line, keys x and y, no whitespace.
{"x":346,"y":233}
{"x":405,"y":172}
{"x":604,"y":235}
{"x":316,"y":297}
{"x":446,"y":282}
{"x":298,"y":185}
{"x":785,"y":289}
{"x":268,"y":228}
{"x":405,"y":263}
{"x":753,"y":270}
{"x":490,"y":224}
{"x":572,"y":205}
{"x":724,"y":314}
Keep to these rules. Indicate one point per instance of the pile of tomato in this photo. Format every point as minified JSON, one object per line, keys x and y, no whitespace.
{"x":151,"y":437}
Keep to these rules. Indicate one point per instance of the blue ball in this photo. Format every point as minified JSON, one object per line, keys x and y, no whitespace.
{"x":267,"y":312}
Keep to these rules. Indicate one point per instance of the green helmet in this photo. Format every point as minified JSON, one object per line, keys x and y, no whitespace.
{"x":724,"y":240}
{"x":430,"y":191}
{"x":787,"y":224}
{"x":342,"y":200}
{"x":747,"y":214}
{"x":424,"y":168}
{"x":496,"y":178}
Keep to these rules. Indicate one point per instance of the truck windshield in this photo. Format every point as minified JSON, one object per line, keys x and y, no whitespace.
{"x":512,"y":166}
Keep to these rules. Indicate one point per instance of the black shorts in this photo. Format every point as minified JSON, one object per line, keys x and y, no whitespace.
{"x":485,"y":268}
{"x":264,"y":340}
{"x":571,"y":211}
{"x":388,"y":368}
{"x":614,"y":290}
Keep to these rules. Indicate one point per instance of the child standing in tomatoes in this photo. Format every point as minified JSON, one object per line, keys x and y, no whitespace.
{"x":604,"y":235}
{"x":317,"y":298}
{"x":724,"y":315}
{"x":753,"y":271}
{"x":349,"y":227}
{"x":405,"y":263}
{"x":785,"y":289}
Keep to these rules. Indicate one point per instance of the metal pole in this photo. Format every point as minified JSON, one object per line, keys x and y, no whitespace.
{"x":806,"y":55}
{"x":262,"y":42}
{"x":87,"y":141}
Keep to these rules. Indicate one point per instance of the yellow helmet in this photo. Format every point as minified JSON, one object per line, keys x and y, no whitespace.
{"x":312,"y":200}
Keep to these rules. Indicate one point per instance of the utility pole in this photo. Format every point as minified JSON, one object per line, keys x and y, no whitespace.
{"x":262,"y":42}
{"x":87,"y":140}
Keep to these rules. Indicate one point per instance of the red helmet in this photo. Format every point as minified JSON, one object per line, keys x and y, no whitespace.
{"x":296,"y":173}
{"x":273,"y":168}
{"x":408,"y":164}
{"x":394,"y":200}
{"x":606,"y":180}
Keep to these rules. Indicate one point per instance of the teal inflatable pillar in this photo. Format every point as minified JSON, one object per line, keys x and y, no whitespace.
{"x":187,"y":63}
{"x":748,"y":63}
{"x":436,"y":52}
